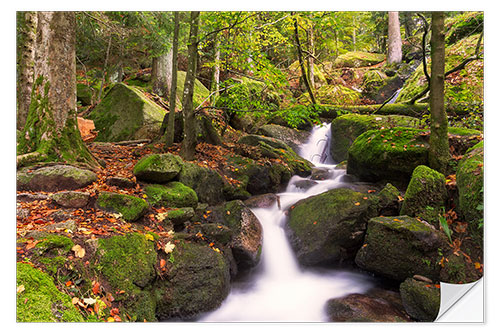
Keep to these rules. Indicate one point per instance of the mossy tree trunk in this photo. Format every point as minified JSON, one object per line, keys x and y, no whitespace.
{"x":188,"y":148}
{"x":51,"y":128}
{"x":439,"y":152}
{"x":26,"y":25}
{"x":303,"y":70}
{"x":161,"y":73}
{"x":169,"y":133}
{"x":394,"y":51}
{"x":310,"y":57}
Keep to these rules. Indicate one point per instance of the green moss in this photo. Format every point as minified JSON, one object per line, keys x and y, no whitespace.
{"x":426,"y":194}
{"x":54,"y":245}
{"x":200,"y":92}
{"x":463,"y":131}
{"x":326,"y":94}
{"x":41,"y":301}
{"x":127,"y":263}
{"x":471,"y":190}
{"x":173,"y":194}
{"x":420,"y":300}
{"x":389,"y":154}
{"x":207,"y":183}
{"x":132,"y":208}
{"x":462,"y":25}
{"x":346,"y":128}
{"x":123,"y":111}
{"x":358,"y":59}
{"x":158,"y":168}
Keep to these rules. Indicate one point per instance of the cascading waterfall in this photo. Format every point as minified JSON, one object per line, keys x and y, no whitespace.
{"x":279,"y":290}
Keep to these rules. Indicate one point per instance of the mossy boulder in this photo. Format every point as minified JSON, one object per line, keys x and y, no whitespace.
{"x":127,"y":263}
{"x":327,"y":94}
{"x":52,"y":251}
{"x":41,"y":301}
{"x":130,"y":207}
{"x":426,"y":194}
{"x":378,"y":87}
{"x":173,"y":194}
{"x":158,"y":168}
{"x":292,"y":137}
{"x":200,"y":92}
{"x":329,"y":227}
{"x":358,"y":59}
{"x":399,"y":247}
{"x":207,"y":183}
{"x":197,"y":281}
{"x":388,"y":154}
{"x":54,"y":178}
{"x":180,"y":215}
{"x":247,"y":237}
{"x":470,"y":185}
{"x":346,"y":128}
{"x":125,"y":113}
{"x":84,"y":94}
{"x":376,"y":306}
{"x":421,"y":300}
{"x":71,"y":199}
{"x":389,"y":200}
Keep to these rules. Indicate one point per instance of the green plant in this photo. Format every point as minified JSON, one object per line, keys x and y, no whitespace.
{"x":444,"y":225}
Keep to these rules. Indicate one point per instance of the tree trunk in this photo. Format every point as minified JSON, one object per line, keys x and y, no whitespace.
{"x":394,"y":52}
{"x":161,"y":74}
{"x":354,"y":33}
{"x":104,"y":69}
{"x":51,"y":128}
{"x":439,"y":152}
{"x":301,"y":63}
{"x":169,"y":133}
{"x":310,"y":59}
{"x":188,"y":148}
{"x":215,"y":71}
{"x":26,"y":61}
{"x":409,"y":24}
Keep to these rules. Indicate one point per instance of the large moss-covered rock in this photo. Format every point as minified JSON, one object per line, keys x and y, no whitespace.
{"x":40,"y":300}
{"x":376,"y":306}
{"x":127,"y":263}
{"x":54,"y":178}
{"x":389,"y":154}
{"x":173,"y":194}
{"x":71,"y":199}
{"x":292,"y":137}
{"x":378,"y":87}
{"x":425,"y":195}
{"x":400,"y":247}
{"x":329,"y":227}
{"x":346,"y":128}
{"x":207,"y":183}
{"x":333,"y":93}
{"x":125,"y":113}
{"x":197,"y":281}
{"x":389,"y":200}
{"x":421,"y":300}
{"x":130,"y":207}
{"x":52,"y":251}
{"x":470,"y":186}
{"x":84,"y":94}
{"x":247,"y":237}
{"x":158,"y":168}
{"x":358,"y":59}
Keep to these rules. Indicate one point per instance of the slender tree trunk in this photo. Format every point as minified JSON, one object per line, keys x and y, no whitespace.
{"x":439,"y":152}
{"x":26,"y":62}
{"x":394,"y":52}
{"x":301,"y":63}
{"x":169,"y":133}
{"x":51,"y":128}
{"x":310,"y":59}
{"x":103,"y":80}
{"x":188,"y":148}
{"x":215,"y":70}
{"x":354,"y":33}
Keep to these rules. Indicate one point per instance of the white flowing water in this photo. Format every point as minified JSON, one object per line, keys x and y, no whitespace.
{"x":279,"y":290}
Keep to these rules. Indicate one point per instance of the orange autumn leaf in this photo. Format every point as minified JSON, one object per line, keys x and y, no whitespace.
{"x":96,"y":288}
{"x":162,"y":263}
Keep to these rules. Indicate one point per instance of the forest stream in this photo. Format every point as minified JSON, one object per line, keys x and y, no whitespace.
{"x":264,"y":295}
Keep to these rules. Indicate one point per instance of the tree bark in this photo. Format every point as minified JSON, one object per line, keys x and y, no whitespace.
{"x":301,"y":62}
{"x":394,"y":52}
{"x":310,"y":58}
{"x":26,"y":62}
{"x":169,"y":133}
{"x":51,"y":128}
{"x":439,"y":152}
{"x":215,"y":70}
{"x":188,"y":148}
{"x":161,"y":74}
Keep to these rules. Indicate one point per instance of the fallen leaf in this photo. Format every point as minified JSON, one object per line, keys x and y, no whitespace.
{"x":169,"y":247}
{"x":96,"y":288}
{"x":89,"y":301}
{"x":20,"y":289}
{"x":357,"y":204}
{"x":149,"y":237}
{"x":79,"y":251}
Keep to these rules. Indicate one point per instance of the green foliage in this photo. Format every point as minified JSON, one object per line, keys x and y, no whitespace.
{"x":444,"y":225}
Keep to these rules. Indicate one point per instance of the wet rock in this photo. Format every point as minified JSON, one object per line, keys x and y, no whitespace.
{"x":292,"y":137}
{"x":377,"y":305}
{"x":318,"y":173}
{"x":329,"y":227}
{"x":304,"y":184}
{"x":421,"y":300}
{"x":261,"y":201}
{"x":399,"y":247}
{"x":54,"y":178}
